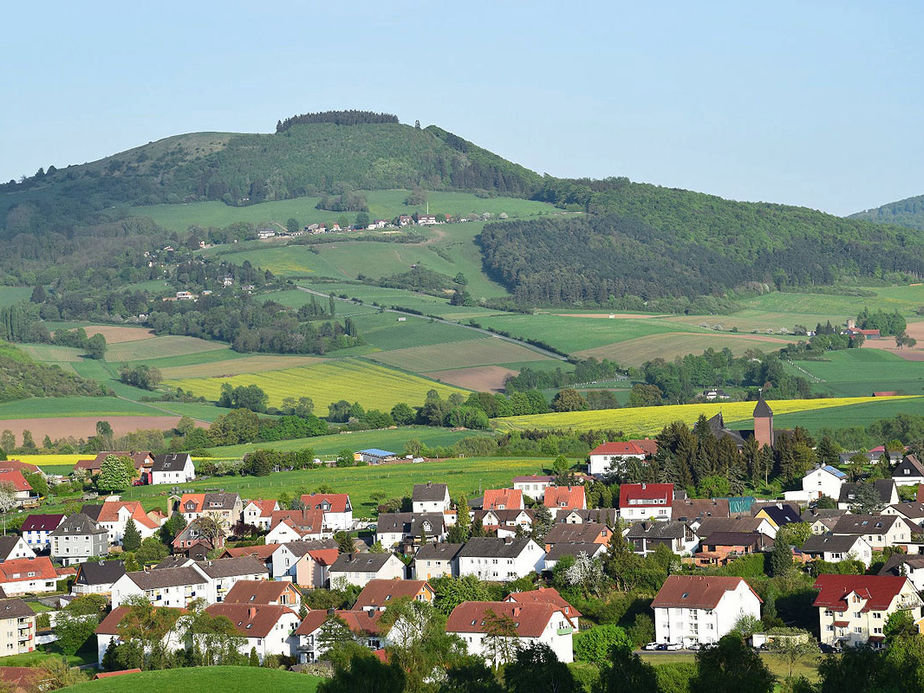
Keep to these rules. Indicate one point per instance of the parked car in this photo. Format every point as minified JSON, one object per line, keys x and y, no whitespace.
{"x":673,"y":646}
{"x":662,"y":646}
{"x":695,"y":647}
{"x":651,"y":646}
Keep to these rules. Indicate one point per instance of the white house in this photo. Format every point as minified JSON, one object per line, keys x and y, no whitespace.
{"x":267,"y":628}
{"x":173,"y":587}
{"x":692,"y":609}
{"x":360,"y":568}
{"x":37,"y":529}
{"x":395,"y":528}
{"x":886,"y":488}
{"x":28,"y":576}
{"x":911,"y":567}
{"x":533,"y":486}
{"x":114,"y":514}
{"x":430,"y":498}
{"x":645,"y":501}
{"x":835,"y":548}
{"x":437,"y":560}
{"x":908,"y":472}
{"x":609,"y":457}
{"x":879,"y":531}
{"x":500,"y":560}
{"x":259,"y":513}
{"x":223,"y":573}
{"x":337,"y":509}
{"x":535,"y":623}
{"x":824,"y":480}
{"x":107,"y":632}
{"x":172,"y":468}
{"x":364,"y":625}
{"x":13,"y":546}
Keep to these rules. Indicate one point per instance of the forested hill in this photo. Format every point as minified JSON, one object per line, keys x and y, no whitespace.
{"x":651,"y":242}
{"x":21,"y":378}
{"x":308,"y":156}
{"x":908,"y":212}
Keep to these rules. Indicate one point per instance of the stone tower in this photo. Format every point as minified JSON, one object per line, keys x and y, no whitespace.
{"x":763,"y":423}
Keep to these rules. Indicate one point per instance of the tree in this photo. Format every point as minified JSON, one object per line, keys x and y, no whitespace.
{"x":791,"y":650}
{"x":212,"y":527}
{"x":131,"y":539}
{"x":780,"y":558}
{"x":536,"y":667}
{"x":542,"y":523}
{"x":73,"y":630}
{"x":38,"y":294}
{"x":500,"y":640}
{"x":626,"y":673}
{"x":362,"y":220}
{"x":595,"y":644}
{"x":292,"y":225}
{"x":569,"y":399}
{"x":450,"y":592}
{"x":113,"y":475}
{"x":152,"y":550}
{"x":105,"y":433}
{"x":364,"y":674}
{"x":56,"y":673}
{"x":729,"y":667}
{"x":402,"y":414}
{"x":643,"y":395}
{"x":471,"y":675}
{"x":344,"y":542}
{"x":586,"y":573}
{"x":8,"y":499}
{"x":173,"y":526}
{"x":96,"y":346}
{"x":866,"y":500}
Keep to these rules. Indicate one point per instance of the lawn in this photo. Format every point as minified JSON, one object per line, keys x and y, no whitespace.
{"x":855,"y":372}
{"x":385,"y":331}
{"x":159,"y":348}
{"x":53,"y":407}
{"x":650,"y":420}
{"x":669,"y":345}
{"x":14,"y":294}
{"x":807,"y":667}
{"x":225,"y":679}
{"x":476,"y":352}
{"x":371,"y":385}
{"x":905,"y":299}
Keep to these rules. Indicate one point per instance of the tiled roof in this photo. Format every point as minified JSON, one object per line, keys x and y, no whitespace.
{"x":429,"y":492}
{"x":699,"y":508}
{"x":438,"y":552}
{"x":100,"y":573}
{"x":530,"y":619}
{"x":646,"y":493}
{"x":77,"y":524}
{"x":16,"y":465}
{"x":617,"y":449}
{"x":360,"y":562}
{"x":171,"y":462}
{"x":19,"y":568}
{"x":502,"y":498}
{"x":877,"y":590}
{"x":266,"y":507}
{"x":358,"y":621}
{"x":754,"y":539}
{"x":544,"y":595}
{"x":711,"y":525}
{"x":379,"y":593}
{"x":15,"y":478}
{"x":300,"y":548}
{"x":560,"y":549}
{"x":15,"y":608}
{"x":110,"y":513}
{"x":42,"y":523}
{"x":231,"y":567}
{"x":305,"y":521}
{"x":493,"y":547}
{"x":329,"y":502}
{"x":251,"y":620}
{"x":260,"y":551}
{"x":867,"y":524}
{"x":695,"y":591}
{"x":672,"y":529}
{"x":566,"y":497}
{"x":834,"y":543}
{"x":257,"y":591}
{"x":884,"y":487}
{"x":110,"y":624}
{"x":585,"y":532}
{"x":166,"y":577}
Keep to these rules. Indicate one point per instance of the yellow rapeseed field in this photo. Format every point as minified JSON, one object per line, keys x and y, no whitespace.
{"x":373,"y":386}
{"x":650,"y":420}
{"x":41,"y":460}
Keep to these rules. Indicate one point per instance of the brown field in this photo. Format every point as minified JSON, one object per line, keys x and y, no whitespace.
{"x":915,"y":353}
{"x":634,"y":352}
{"x":230,"y":367}
{"x":480,"y":378}
{"x":117,"y":335}
{"x":475,"y":352}
{"x":85,"y":426}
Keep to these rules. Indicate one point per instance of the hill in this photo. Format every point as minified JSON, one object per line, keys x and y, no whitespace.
{"x":228,"y":679}
{"x":21,"y":378}
{"x":908,"y":212}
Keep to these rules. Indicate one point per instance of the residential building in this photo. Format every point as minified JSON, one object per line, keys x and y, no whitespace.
{"x":534,"y":622}
{"x":500,"y":560}
{"x":430,"y":498}
{"x":259,"y":513}
{"x":548,"y":595}
{"x":879,"y":531}
{"x":603,"y":516}
{"x":913,"y":511}
{"x":310,"y":644}
{"x":502,"y":499}
{"x":533,"y":486}
{"x":437,"y":560}
{"x":393,"y":529}
{"x":562,"y":499}
{"x":377,"y":595}
{"x":77,"y":539}
{"x":691,"y":609}
{"x":28,"y":576}
{"x":822,"y":520}
{"x":24,"y":494}
{"x":506,"y":523}
{"x":193,"y":535}
{"x":107,"y":631}
{"x":172,"y":468}
{"x":337,"y":509}
{"x":269,"y":629}
{"x":853,"y":609}
{"x":360,"y":568}
{"x":172,"y":587}
{"x":225,"y":508}
{"x":37,"y":529}
{"x":306,"y":563}
{"x":677,"y":536}
{"x":698,"y":509}
{"x":721,"y":547}
{"x":886,"y":488}
{"x":711,"y":525}
{"x":17,"y":627}
{"x":264,"y":592}
{"x":588,"y":532}
{"x":824,"y":480}
{"x":908,"y":472}
{"x":114,"y":515}
{"x":97,"y":577}
{"x":911,"y":567}
{"x":645,"y":501}
{"x":223,"y":573}
{"x":294,"y":525}
{"x":14,"y":546}
{"x":141,"y":460}
{"x":610,"y":457}
{"x":573,"y":549}
{"x":835,"y":548}
{"x":779,"y":514}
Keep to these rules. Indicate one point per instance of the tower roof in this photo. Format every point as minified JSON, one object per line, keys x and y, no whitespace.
{"x":762,"y":410}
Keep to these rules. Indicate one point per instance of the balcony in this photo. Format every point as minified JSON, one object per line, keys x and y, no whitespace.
{"x":565,"y":630}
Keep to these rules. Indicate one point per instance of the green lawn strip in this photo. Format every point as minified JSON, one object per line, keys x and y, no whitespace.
{"x":806,"y":667}
{"x":225,"y":679}
{"x":14,"y":294}
{"x":223,"y":354}
{"x":51,"y":407}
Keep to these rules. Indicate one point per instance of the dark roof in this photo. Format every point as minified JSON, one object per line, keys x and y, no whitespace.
{"x":893,"y":566}
{"x":438,"y":552}
{"x":78,"y":524}
{"x":762,"y":410}
{"x":755,"y":539}
{"x":883,"y":486}
{"x":7,"y":544}
{"x":360,"y":562}
{"x":15,"y":608}
{"x":506,"y":516}
{"x":781,"y":514}
{"x":867,"y":524}
{"x":230,"y":567}
{"x":566,"y":548}
{"x":219,"y":501}
{"x":169,"y":462}
{"x":911,"y":464}
{"x":42,"y":523}
{"x":913,"y":509}
{"x":429,"y":492}
{"x":177,"y":561}
{"x":166,"y":577}
{"x":671,"y":529}
{"x":699,"y":508}
{"x":605,"y":516}
{"x":411,"y":523}
{"x":101,"y":573}
{"x":728,"y":524}
{"x":584,"y":532}
{"x":836,"y":543}
{"x":300,"y":548}
{"x":92,"y":511}
{"x":492,"y":547}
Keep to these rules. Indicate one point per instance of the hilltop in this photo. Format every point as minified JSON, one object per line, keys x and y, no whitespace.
{"x":908,"y":212}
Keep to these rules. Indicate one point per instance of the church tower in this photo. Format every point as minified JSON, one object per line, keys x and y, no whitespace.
{"x":763,"y":423}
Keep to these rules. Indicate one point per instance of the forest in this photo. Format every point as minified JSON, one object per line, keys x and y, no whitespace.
{"x":352,"y":117}
{"x":21,"y":377}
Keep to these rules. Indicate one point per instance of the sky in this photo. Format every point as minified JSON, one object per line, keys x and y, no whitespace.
{"x":809,"y":103}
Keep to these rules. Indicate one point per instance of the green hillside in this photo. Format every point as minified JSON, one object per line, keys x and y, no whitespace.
{"x":21,"y":378}
{"x":908,"y":212}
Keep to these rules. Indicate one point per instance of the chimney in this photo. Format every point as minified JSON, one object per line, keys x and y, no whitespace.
{"x":643,"y":485}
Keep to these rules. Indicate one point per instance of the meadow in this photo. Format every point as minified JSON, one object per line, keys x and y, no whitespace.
{"x":648,"y":421}
{"x":385,"y":331}
{"x":373,"y":386}
{"x":14,"y":294}
{"x":52,"y":407}
{"x":476,"y":352}
{"x":670,"y":345}
{"x":159,"y":348}
{"x":854,"y":372}
{"x":226,"y":679}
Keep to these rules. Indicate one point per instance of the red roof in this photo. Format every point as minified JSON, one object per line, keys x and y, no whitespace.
{"x":109,"y":512}
{"x":251,"y":620}
{"x":360,"y":622}
{"x":544,"y":595}
{"x":378,"y":593}
{"x":266,"y":507}
{"x":565,"y":497}
{"x":19,"y":568}
{"x":110,"y":624}
{"x":257,"y":591}
{"x":645,"y":494}
{"x":261,"y":551}
{"x":919,"y":497}
{"x":197,"y":498}
{"x":16,"y":465}
{"x":324,"y":556}
{"x":877,"y":591}
{"x":647,"y":444}
{"x":338,"y":501}
{"x":619,"y":448}
{"x":502,"y":499}
{"x":15,"y":478}
{"x":696,"y":591}
{"x":530,"y":619}
{"x":42,"y":523}
{"x":304,"y":521}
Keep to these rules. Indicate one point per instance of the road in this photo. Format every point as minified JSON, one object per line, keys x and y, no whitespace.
{"x":512,"y":340}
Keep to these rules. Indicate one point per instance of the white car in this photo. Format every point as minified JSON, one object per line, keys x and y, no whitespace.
{"x":674,"y":646}
{"x":651,"y":646}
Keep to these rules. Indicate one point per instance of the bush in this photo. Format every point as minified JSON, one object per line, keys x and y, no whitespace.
{"x":675,"y":677}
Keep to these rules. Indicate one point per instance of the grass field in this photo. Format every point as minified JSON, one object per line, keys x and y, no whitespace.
{"x":807,"y":667}
{"x":854,"y":415}
{"x":856,"y":372}
{"x":225,"y":679}
{"x":905,"y":299}
{"x":159,"y":347}
{"x":238,"y":366}
{"x":476,"y":352}
{"x":669,"y":345}
{"x":48,"y":407}
{"x":14,"y":294}
{"x":650,"y":420}
{"x":384,"y":331}
{"x":371,"y":385}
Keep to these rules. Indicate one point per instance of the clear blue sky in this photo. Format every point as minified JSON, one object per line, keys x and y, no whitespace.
{"x":812,"y":103}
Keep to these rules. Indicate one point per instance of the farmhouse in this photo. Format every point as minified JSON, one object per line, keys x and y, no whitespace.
{"x":692,"y":609}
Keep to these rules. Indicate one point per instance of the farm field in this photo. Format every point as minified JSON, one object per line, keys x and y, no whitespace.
{"x":669,"y":345}
{"x":371,"y":385}
{"x":238,"y":366}
{"x":861,"y":414}
{"x":475,"y":352}
{"x":479,"y":378}
{"x":855,"y":372}
{"x":806,"y":667}
{"x":227,"y":679}
{"x":470,"y":476}
{"x":14,"y":294}
{"x":158,"y":348}
{"x":650,"y":420}
{"x":85,"y":426}
{"x":47,"y":407}
{"x":53,"y":460}
{"x":905,"y":299}
{"x":384,"y":331}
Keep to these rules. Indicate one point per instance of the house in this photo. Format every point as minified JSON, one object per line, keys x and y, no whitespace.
{"x":24,"y":494}
{"x":337,"y":509}
{"x":28,"y":576}
{"x":506,"y":523}
{"x":374,"y":456}
{"x":645,"y":501}
{"x":908,"y":472}
{"x":259,"y":513}
{"x":822,"y":520}
{"x":378,"y":594}
{"x":610,"y":457}
{"x":14,"y":546}
{"x":733,"y":524}
{"x":879,"y":531}
{"x":574,"y":549}
{"x":37,"y":529}
{"x":430,"y":498}
{"x":172,"y":468}
{"x":534,"y":623}
{"x":364,"y":625}
{"x":603,"y":516}
{"x":886,"y":488}
{"x":547,"y":595}
{"x":587,"y":532}
{"x":853,"y":609}
{"x":267,"y":628}
{"x":223,"y":573}
{"x":691,"y":609}
{"x":500,"y":560}
{"x":77,"y":539}
{"x":677,"y":536}
{"x":835,"y":548}
{"x":713,"y":393}
{"x":17,"y":627}
{"x":97,"y":578}
{"x":262,"y":552}
{"x":141,"y":460}
{"x":502,"y":499}
{"x":264,"y":592}
{"x":437,"y":560}
{"x":779,"y":514}
{"x":225,"y":508}
{"x":426,"y":219}
{"x":824,"y":480}
{"x":392,"y":529}
{"x":293,"y":525}
{"x":306,"y":563}
{"x":721,"y":547}
{"x":533,"y":486}
{"x":114,"y":515}
{"x":912,"y":511}
{"x":107,"y":632}
{"x":911,"y":567}
{"x":561,"y":499}
{"x":192,"y":535}
{"x":692,"y":509}
{"x":360,"y":568}
{"x":173,"y":587}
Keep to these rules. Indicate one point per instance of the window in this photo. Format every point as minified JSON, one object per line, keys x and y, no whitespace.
{"x":830,"y":628}
{"x":858,"y":630}
{"x":877,"y":615}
